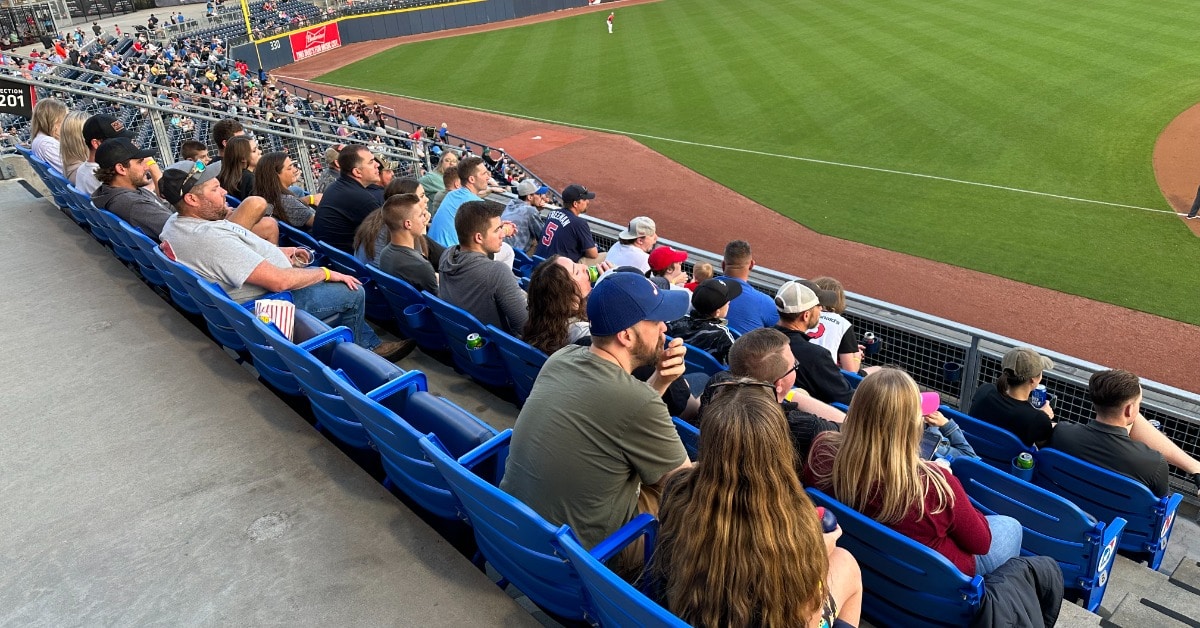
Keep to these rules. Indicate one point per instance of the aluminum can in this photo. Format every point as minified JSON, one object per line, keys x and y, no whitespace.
{"x":1037,"y":398}
{"x":474,"y":341}
{"x":593,"y":274}
{"x":1024,"y":461}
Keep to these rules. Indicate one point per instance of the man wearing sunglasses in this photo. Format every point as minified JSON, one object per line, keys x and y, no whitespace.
{"x":247,"y":266}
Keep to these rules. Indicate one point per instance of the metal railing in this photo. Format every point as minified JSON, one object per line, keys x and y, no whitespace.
{"x":921,"y":343}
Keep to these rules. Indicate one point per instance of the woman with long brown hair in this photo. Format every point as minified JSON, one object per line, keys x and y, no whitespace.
{"x":558,"y":291}
{"x":276,"y":172}
{"x":740,"y":543}
{"x":238,"y":162}
{"x":874,"y":467}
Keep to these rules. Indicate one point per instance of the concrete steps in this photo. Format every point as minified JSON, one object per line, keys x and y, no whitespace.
{"x":1140,"y":597}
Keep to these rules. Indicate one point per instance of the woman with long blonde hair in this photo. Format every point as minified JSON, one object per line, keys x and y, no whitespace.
{"x":72,"y":147}
{"x":740,"y":544}
{"x":874,"y":467}
{"x":44,"y":128}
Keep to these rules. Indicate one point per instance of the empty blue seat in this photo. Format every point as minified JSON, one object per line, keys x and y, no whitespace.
{"x":292,"y":236}
{"x":340,"y":357}
{"x":995,"y":445}
{"x":517,"y":541}
{"x":121,"y":245}
{"x":524,"y":362}
{"x":1084,"y":548}
{"x":905,"y":583}
{"x":1106,"y":495}
{"x":608,"y":599}
{"x":396,"y":415}
{"x":218,"y":326}
{"x":142,"y":248}
{"x":485,"y":366}
{"x":175,"y":287}
{"x":412,"y":314}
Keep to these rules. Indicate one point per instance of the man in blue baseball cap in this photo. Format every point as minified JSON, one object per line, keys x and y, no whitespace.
{"x":592,"y":443}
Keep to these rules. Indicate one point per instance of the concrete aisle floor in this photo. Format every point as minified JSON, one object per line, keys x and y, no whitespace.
{"x":146,"y":478}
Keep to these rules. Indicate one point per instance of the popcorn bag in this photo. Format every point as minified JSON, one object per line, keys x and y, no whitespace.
{"x":281,"y":313}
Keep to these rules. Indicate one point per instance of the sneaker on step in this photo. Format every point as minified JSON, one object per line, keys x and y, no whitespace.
{"x":396,"y":350}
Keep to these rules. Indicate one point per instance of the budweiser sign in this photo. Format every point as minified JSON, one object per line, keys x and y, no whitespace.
{"x":314,"y":41}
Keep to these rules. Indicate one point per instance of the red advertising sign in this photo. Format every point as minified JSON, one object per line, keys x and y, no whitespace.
{"x":314,"y":41}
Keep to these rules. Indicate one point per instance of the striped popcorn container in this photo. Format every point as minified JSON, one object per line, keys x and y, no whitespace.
{"x":281,"y":313}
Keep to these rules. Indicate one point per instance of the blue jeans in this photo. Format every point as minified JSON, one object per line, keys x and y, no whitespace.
{"x":1006,"y":544}
{"x":326,"y":299}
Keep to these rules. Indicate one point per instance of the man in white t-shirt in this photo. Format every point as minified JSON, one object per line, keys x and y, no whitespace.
{"x":247,"y":266}
{"x":634,"y":245}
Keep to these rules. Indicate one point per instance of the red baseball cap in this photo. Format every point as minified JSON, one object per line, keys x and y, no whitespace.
{"x":662,"y":257}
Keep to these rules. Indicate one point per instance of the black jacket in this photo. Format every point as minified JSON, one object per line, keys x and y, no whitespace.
{"x":1025,"y":591}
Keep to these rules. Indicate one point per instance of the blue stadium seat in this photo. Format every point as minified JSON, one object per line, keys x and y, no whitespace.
{"x":142,"y":248}
{"x":121,"y":245}
{"x":175,"y":287}
{"x":518,"y":542}
{"x":995,"y":445}
{"x":523,"y":361}
{"x":905,"y":583}
{"x":271,"y":368}
{"x":396,"y":415}
{"x":486,"y":366}
{"x":218,"y":326}
{"x":1106,"y":496}
{"x":698,"y":360}
{"x":853,"y":379}
{"x":690,"y":436}
{"x":608,"y":599}
{"x":1084,"y":548}
{"x":345,"y":263}
{"x":291,"y":236}
{"x":340,"y":357}
{"x":412,"y":314}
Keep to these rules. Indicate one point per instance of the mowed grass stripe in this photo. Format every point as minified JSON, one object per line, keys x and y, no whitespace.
{"x":1007,"y":92}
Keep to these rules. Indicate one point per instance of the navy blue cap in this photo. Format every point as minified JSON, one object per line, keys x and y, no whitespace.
{"x":623,"y":300}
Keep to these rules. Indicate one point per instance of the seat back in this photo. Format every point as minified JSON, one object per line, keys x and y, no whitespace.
{"x":517,"y":541}
{"x":117,"y":237}
{"x":360,"y":367}
{"x":1054,"y":527}
{"x":271,"y":368}
{"x":524,"y":362}
{"x":291,"y":236}
{"x":396,"y":417}
{"x":486,"y":366}
{"x":179,"y":294}
{"x":689,"y":434}
{"x":345,"y":263}
{"x":608,"y":599}
{"x":852,"y":379}
{"x":413,"y":316}
{"x":1106,"y":496}
{"x":143,"y":249}
{"x":904,"y":582}
{"x":698,"y":360}
{"x":218,"y":325}
{"x":994,"y":445}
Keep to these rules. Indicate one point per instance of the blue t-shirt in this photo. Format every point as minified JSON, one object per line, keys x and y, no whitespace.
{"x":565,"y":234}
{"x":441,"y":230}
{"x":751,"y":310}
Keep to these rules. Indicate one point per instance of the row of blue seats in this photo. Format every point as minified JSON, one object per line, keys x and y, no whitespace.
{"x":452,"y":471}
{"x":436,"y":453}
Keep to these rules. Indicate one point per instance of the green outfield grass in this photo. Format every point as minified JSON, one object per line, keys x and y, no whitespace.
{"x":1063,"y":98}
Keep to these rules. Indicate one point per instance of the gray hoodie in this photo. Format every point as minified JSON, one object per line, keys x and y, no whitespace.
{"x":141,"y":208}
{"x":484,"y":287}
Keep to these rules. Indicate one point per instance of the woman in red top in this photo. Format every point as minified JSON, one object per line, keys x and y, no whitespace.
{"x":873,"y":466}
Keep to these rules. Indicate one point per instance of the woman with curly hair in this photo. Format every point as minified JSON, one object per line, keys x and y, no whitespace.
{"x":558,"y":291}
{"x":238,"y":161}
{"x":739,"y":543}
{"x":276,"y":172}
{"x":874,"y":467}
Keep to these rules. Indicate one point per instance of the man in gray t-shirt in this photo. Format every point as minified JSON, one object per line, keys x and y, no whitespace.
{"x":247,"y":266}
{"x":591,"y":435}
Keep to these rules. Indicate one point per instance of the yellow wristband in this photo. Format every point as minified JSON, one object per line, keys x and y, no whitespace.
{"x":310,"y":200}
{"x":326,"y":273}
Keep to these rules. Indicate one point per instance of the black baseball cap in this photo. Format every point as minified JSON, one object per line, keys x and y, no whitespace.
{"x":118,"y":150}
{"x":101,"y":127}
{"x":712,"y":294}
{"x":576,"y":192}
